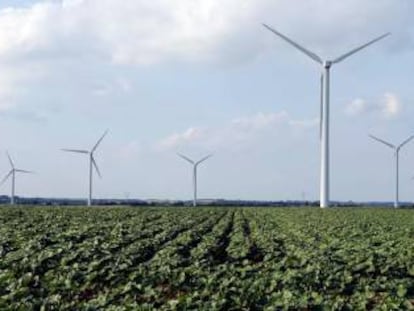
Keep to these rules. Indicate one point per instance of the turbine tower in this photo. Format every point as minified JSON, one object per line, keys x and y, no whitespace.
{"x":195,"y":165}
{"x":324,"y":127}
{"x":92,"y":163}
{"x":397,"y":162}
{"x":12,"y":173}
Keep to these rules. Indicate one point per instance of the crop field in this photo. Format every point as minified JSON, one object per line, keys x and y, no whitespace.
{"x":206,"y":259}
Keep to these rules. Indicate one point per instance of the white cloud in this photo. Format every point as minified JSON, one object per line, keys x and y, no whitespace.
{"x":241,"y":131}
{"x":216,"y":31}
{"x":137,"y":32}
{"x":188,"y":136}
{"x":14,"y":79}
{"x":124,"y":85}
{"x":101,"y":90}
{"x":260,"y":121}
{"x":386,"y":107}
{"x":143,"y":32}
{"x":356,"y":107}
{"x":27,"y":115}
{"x":130,"y":150}
{"x":391,"y":106}
{"x":120,"y":85}
{"x":304,"y":124}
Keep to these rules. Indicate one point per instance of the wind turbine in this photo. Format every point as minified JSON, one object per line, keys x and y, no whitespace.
{"x":195,"y":165}
{"x":92,"y":163}
{"x":324,"y":127}
{"x":12,"y":173}
{"x":397,"y":160}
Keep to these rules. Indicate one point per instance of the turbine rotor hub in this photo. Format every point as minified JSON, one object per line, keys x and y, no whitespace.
{"x":327,"y":64}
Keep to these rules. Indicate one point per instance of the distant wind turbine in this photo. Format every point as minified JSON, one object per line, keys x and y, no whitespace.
{"x":324,"y":125}
{"x":195,"y":165}
{"x":12,"y":173}
{"x":397,"y":160}
{"x":92,"y":163}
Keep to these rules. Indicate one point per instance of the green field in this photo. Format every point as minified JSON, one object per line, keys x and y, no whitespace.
{"x":206,"y":259}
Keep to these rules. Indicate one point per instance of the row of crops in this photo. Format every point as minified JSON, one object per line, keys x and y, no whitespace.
{"x":206,"y":259}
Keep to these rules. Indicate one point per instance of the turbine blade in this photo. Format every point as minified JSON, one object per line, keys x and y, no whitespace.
{"x":76,"y":150}
{"x":346,"y":55}
{"x":96,"y":167}
{"x":99,"y":141}
{"x":6,"y":177}
{"x":321,"y":107}
{"x":405,"y":142}
{"x":312,"y":55}
{"x":185,"y":158}
{"x":203,"y":159}
{"x":382,"y":141}
{"x":24,"y":171}
{"x":10,"y":159}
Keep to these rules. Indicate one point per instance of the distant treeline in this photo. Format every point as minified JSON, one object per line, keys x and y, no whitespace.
{"x":210,"y":202}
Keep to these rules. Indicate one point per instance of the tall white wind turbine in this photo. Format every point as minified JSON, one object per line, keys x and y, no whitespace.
{"x":12,"y":173}
{"x":397,"y":162}
{"x":324,"y":128}
{"x":92,"y":163}
{"x":195,"y":166}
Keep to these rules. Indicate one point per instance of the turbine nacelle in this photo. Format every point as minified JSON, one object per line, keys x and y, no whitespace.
{"x":316,"y":57}
{"x":90,"y":153}
{"x":327,"y":64}
{"x":195,"y":163}
{"x":14,"y":169}
{"x":397,"y":148}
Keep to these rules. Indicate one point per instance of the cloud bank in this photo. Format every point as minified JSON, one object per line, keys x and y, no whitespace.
{"x":143,"y":32}
{"x":387,"y":107}
{"x":240,"y":133}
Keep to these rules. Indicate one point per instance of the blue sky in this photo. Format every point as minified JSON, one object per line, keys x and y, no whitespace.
{"x":196,"y":77}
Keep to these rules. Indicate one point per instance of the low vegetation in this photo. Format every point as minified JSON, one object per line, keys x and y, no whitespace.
{"x":206,"y":259}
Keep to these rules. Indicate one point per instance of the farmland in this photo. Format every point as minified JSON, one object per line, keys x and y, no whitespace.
{"x":205,"y":258}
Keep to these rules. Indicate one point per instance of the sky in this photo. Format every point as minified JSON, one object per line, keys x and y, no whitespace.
{"x":199,"y":77}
